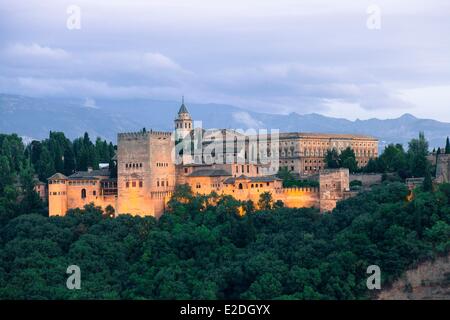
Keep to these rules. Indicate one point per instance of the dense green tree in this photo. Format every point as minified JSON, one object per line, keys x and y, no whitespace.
{"x":289,"y":181}
{"x":69,"y":162}
{"x":6,"y":173}
{"x":270,"y":254}
{"x":347,"y":159}
{"x":265,"y":201}
{"x":372,"y":166}
{"x":45,"y":167}
{"x":417,"y":154}
{"x":428,"y":181}
{"x":393,"y":159}
{"x":278,"y":204}
{"x":332,"y":159}
{"x":30,"y":202}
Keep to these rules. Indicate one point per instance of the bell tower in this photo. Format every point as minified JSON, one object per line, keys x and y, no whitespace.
{"x":183,"y":122}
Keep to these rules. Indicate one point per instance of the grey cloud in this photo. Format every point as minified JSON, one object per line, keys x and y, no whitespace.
{"x":272,"y":56}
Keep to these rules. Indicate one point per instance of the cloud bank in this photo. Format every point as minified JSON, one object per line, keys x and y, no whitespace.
{"x":270,"y":56}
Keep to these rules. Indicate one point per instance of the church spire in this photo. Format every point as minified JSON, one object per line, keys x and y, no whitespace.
{"x":183,"y":108}
{"x":183,"y":123}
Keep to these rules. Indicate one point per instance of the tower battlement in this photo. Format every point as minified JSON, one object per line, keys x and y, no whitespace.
{"x":165,"y":134}
{"x":132,"y":135}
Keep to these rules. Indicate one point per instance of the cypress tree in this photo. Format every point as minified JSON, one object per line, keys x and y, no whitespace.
{"x":447,"y":146}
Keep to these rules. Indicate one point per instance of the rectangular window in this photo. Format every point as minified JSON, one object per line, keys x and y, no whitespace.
{"x":140,"y":184}
{"x":133,"y":184}
{"x":127,"y":184}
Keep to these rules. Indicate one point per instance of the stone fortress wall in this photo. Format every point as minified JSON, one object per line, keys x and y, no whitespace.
{"x":147,"y":173}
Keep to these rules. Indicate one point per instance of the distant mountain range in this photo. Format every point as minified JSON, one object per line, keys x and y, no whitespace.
{"x":33,"y":118}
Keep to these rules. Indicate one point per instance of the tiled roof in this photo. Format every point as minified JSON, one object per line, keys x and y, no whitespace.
{"x":264,"y":179}
{"x":183,"y":109}
{"x":209,"y":173}
{"x":325,"y":135}
{"x":90,"y":174}
{"x":58,"y":176}
{"x":252,"y":179}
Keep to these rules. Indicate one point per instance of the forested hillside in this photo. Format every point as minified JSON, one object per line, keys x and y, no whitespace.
{"x":203,"y":249}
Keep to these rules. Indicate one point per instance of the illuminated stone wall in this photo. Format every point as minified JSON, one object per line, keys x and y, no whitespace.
{"x":443,"y":168}
{"x":57,"y":197}
{"x":333,"y":187}
{"x":146,"y":172}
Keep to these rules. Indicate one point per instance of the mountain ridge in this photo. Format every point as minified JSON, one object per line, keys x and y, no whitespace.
{"x":34,"y":117}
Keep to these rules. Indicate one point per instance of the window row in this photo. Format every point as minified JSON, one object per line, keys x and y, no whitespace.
{"x":186,"y":125}
{"x":57,"y":182}
{"x":133,"y":165}
{"x":244,"y":169}
{"x":82,"y":183}
{"x":162,"y":164}
{"x":256,"y":185}
{"x":162,"y":183}
{"x":310,"y":168}
{"x":134,"y":184}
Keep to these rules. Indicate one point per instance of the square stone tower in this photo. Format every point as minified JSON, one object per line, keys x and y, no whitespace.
{"x":333,"y":184}
{"x":146,"y":172}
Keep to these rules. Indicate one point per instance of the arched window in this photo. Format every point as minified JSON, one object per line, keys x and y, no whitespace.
{"x":240,"y":186}
{"x":83,"y":193}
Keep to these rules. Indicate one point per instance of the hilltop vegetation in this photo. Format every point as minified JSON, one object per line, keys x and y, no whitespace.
{"x":203,"y":249}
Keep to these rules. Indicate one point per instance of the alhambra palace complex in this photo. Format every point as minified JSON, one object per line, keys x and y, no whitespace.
{"x":147,"y":173}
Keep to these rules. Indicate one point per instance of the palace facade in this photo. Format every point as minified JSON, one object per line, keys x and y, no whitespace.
{"x":150,"y":164}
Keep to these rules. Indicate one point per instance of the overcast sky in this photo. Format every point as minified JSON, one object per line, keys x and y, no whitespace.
{"x":275,"y":56}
